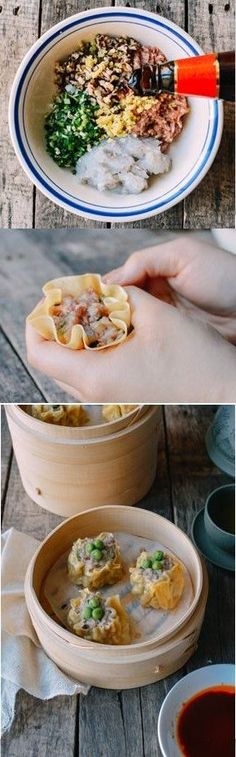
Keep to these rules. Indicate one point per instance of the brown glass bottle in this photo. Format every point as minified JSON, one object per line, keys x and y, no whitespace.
{"x":211,"y":75}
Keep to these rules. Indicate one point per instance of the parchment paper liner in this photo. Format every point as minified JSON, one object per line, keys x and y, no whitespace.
{"x":113,"y":296}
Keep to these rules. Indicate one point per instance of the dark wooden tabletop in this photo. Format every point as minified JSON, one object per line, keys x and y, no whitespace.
{"x":124,"y":723}
{"x":210,"y":24}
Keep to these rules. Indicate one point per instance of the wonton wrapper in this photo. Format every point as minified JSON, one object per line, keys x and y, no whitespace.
{"x":60,"y":415}
{"x":113,"y":296}
{"x":163,"y":593}
{"x":95,"y":578}
{"x":118,"y":631}
{"x":112,"y":412}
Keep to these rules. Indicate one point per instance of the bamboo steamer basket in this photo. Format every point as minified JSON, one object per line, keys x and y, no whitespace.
{"x":96,"y":425}
{"x":66,"y":470}
{"x":125,"y":666}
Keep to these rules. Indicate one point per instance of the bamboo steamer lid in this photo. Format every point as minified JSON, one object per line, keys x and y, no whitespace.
{"x":120,"y":666}
{"x":65,"y":470}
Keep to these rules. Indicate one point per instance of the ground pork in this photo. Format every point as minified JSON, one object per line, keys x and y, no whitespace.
{"x":89,"y":311}
{"x":163,"y":119}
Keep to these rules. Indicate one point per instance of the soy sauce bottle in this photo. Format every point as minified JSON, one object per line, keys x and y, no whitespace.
{"x":211,"y":75}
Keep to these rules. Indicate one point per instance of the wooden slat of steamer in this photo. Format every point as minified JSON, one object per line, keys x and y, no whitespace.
{"x":19,"y":24}
{"x":46,"y":213}
{"x":212,"y":203}
{"x":39,"y":728}
{"x":173,"y":218}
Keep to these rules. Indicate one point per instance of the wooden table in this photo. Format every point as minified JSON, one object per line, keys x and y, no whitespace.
{"x":124,"y":723}
{"x":28,"y":260}
{"x":211,"y":25}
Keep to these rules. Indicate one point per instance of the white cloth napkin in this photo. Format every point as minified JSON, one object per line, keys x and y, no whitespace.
{"x":25,"y":665}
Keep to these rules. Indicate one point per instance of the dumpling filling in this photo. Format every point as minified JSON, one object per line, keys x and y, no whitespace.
{"x":95,"y":618}
{"x":123,"y":165}
{"x":93,"y":563}
{"x":158,"y":579}
{"x":60,"y":415}
{"x":112,"y":412}
{"x":154,"y":566}
{"x":92,"y":611}
{"x":97,"y":552}
{"x":89,"y":311}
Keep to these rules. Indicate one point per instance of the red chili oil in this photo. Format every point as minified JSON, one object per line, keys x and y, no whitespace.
{"x":205,"y":725}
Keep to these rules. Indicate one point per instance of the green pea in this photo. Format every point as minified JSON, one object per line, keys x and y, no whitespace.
{"x":156,"y":565}
{"x":89,"y":547}
{"x":158,"y":555}
{"x":96,"y":554}
{"x":146,"y":564}
{"x":98,"y":544}
{"x":87,"y":613}
{"x":94,"y":603}
{"x":97,"y":613}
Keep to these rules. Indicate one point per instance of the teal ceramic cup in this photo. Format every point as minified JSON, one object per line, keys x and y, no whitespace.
{"x":219,"y":517}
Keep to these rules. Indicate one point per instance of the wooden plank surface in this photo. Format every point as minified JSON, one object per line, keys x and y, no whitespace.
{"x":189,"y":495}
{"x":211,"y":204}
{"x":15,"y":378}
{"x":212,"y":26}
{"x":19,"y":30}
{"x":40,"y":728}
{"x":124,"y":723}
{"x":216,"y":189}
{"x":28,"y":260}
{"x":6,"y":455}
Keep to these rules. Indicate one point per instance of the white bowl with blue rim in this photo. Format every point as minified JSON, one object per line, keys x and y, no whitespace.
{"x":192,"y":153}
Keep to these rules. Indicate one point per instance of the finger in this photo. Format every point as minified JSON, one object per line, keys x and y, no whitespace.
{"x":161,"y":260}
